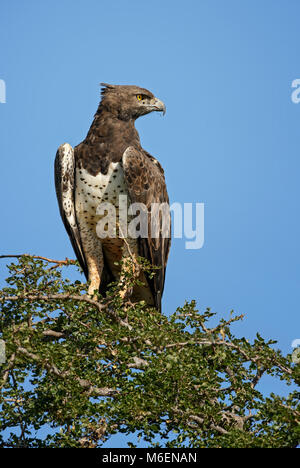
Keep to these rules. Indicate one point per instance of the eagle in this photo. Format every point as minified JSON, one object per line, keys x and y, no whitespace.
{"x":108,"y":163}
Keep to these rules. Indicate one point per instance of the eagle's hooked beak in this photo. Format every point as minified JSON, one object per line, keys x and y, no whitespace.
{"x":158,"y":106}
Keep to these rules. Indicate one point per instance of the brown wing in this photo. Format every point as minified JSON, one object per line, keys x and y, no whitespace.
{"x":145,"y":182}
{"x":64,"y":172}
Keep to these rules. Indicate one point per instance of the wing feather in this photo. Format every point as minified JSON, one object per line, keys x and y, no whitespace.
{"x":64,"y":171}
{"x":145,"y":182}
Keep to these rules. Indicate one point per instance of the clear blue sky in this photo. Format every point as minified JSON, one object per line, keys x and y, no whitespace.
{"x":230,"y":138}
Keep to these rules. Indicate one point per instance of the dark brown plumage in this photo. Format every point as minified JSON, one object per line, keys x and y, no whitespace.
{"x":111,"y":156}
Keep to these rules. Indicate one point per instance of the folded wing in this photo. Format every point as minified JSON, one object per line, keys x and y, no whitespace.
{"x":145,"y":182}
{"x":64,"y":171}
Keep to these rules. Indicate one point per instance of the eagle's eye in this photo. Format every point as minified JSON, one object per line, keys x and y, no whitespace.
{"x":139,"y":97}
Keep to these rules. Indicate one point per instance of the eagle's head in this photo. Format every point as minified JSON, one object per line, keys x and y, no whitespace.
{"x":129,"y":102}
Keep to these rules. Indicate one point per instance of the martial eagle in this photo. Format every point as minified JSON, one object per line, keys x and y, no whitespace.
{"x":109,"y":162}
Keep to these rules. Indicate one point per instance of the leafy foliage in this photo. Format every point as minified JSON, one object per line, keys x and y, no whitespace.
{"x":86,"y":368}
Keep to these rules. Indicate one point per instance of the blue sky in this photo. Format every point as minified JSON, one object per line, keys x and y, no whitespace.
{"x":230,"y":138}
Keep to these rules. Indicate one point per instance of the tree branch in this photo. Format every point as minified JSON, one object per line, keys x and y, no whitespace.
{"x":65,"y":297}
{"x":92,"y":390}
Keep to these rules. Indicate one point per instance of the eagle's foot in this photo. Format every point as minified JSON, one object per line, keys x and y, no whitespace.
{"x":125,"y":293}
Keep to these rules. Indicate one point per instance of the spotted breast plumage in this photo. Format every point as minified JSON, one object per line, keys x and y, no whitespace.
{"x":110,"y":162}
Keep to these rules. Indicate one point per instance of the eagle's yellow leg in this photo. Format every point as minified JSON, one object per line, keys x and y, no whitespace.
{"x":94,"y":275}
{"x":93,"y":255}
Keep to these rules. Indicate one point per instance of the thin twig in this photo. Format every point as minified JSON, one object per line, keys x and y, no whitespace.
{"x":49,"y":260}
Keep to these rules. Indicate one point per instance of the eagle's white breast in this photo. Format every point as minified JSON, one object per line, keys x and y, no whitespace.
{"x":93,"y":190}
